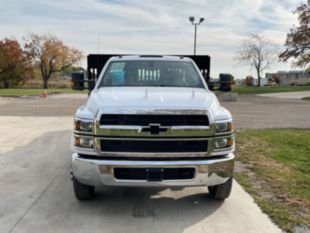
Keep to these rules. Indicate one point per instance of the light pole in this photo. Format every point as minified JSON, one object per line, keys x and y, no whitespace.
{"x":192,"y":20}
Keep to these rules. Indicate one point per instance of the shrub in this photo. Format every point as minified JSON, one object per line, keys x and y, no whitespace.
{"x":34,"y":83}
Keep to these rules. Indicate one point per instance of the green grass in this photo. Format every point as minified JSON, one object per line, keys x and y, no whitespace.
{"x":28,"y":92}
{"x":262,"y":90}
{"x":277,"y":173}
{"x":306,"y":98}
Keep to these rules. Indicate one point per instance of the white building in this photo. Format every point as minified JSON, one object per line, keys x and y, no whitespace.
{"x":263,"y":82}
{"x":290,"y":78}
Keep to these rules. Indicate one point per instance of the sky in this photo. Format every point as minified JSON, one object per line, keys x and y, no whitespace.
{"x":155,"y":27}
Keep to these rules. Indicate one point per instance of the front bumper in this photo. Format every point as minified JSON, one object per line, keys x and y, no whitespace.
{"x":99,"y":172}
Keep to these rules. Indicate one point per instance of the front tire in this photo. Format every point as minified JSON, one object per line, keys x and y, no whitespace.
{"x":221,"y":191}
{"x":83,"y":192}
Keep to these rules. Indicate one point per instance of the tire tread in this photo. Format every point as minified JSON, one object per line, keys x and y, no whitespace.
{"x":222,"y":191}
{"x":83,"y":192}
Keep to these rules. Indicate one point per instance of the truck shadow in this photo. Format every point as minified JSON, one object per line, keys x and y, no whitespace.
{"x":171,"y":209}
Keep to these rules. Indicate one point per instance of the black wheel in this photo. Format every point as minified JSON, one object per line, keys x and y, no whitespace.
{"x":221,"y":191}
{"x":83,"y":192}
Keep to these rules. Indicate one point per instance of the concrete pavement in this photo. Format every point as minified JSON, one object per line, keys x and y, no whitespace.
{"x":287,"y":95}
{"x":36,"y":193}
{"x":20,"y":131}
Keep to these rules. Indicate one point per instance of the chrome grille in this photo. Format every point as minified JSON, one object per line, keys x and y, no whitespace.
{"x":154,"y":146}
{"x":144,"y":120}
{"x":164,"y":134}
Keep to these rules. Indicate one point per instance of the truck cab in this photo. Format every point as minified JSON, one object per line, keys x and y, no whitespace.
{"x":151,"y":121}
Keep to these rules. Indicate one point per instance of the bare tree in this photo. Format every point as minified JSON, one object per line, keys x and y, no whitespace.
{"x":257,"y":52}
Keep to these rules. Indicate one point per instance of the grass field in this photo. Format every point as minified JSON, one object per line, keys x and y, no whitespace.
{"x":274,"y":167}
{"x":261,"y":90}
{"x":26,"y":91}
{"x":306,"y":98}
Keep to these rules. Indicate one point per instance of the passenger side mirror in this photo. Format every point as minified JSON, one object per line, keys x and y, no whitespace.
{"x":210,"y":86}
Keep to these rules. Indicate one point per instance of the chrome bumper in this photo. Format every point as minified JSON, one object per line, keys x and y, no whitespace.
{"x":98,"y":172}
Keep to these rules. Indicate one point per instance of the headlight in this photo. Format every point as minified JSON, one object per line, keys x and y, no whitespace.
{"x":223,"y":127}
{"x":83,"y":125}
{"x":222,"y":143}
{"x":85,"y":142}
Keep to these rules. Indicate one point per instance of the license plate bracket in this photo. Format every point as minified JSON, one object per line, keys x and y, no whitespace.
{"x":154,"y":174}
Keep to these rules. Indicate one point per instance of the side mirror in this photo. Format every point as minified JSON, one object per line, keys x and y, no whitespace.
{"x":210,"y":86}
{"x":90,"y":84}
{"x":77,"y":81}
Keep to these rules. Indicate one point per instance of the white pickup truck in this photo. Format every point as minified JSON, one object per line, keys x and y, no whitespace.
{"x":152,"y":121}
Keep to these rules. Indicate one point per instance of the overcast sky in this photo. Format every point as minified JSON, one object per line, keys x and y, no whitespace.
{"x":154,"y":27}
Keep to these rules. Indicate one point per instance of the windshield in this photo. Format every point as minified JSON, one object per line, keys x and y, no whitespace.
{"x":151,"y":73}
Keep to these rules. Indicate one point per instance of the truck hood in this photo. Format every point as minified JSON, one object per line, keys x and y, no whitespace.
{"x":168,"y":100}
{"x":150,"y":97}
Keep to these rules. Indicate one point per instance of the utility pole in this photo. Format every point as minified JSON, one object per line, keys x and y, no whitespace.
{"x":98,"y":43}
{"x":192,"y":20}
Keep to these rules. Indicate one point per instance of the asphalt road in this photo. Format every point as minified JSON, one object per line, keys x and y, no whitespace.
{"x":267,"y":112}
{"x":36,"y":192}
{"x":248,"y":112}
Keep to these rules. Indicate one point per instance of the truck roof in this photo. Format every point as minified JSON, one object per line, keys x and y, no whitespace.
{"x":150,"y":57}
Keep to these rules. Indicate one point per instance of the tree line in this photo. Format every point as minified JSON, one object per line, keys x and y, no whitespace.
{"x":46,"y":51}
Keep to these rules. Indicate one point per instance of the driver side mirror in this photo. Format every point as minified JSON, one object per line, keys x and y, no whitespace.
{"x":90,"y":84}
